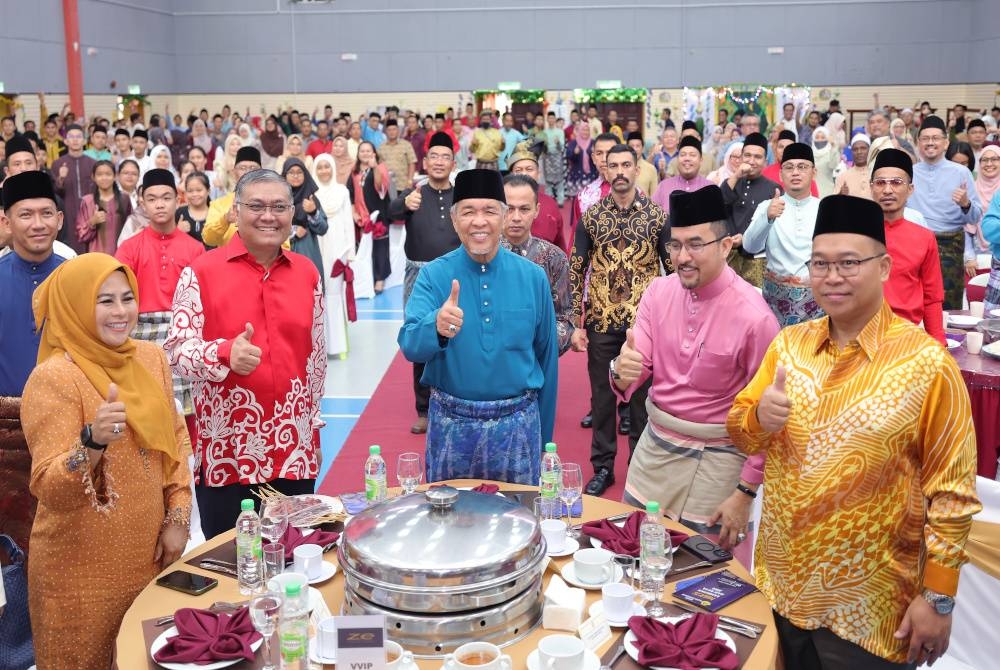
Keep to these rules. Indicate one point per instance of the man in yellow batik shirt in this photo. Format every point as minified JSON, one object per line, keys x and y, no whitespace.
{"x":871,"y":465}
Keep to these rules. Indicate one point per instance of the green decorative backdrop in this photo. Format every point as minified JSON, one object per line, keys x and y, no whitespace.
{"x":527,"y":96}
{"x":610,"y":95}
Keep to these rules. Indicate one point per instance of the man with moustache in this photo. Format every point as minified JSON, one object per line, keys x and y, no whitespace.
{"x":742,"y":192}
{"x":481,"y":320}
{"x":773,"y":171}
{"x":688,"y":178}
{"x":522,"y":193}
{"x":548,"y":223}
{"x":619,"y":248}
{"x":426,"y":213}
{"x":699,"y":336}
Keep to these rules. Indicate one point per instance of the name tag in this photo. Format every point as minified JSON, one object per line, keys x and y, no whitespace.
{"x":361,"y":642}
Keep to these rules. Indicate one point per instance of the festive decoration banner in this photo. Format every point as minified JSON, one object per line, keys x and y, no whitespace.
{"x":610,"y":95}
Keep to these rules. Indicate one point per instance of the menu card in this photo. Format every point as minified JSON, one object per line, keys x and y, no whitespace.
{"x":715,"y":591}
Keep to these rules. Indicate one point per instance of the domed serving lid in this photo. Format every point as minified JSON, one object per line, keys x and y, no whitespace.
{"x":443,"y":539}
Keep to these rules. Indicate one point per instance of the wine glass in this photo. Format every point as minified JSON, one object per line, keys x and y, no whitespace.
{"x":570,"y":490}
{"x":652,"y":574}
{"x":274,"y":520}
{"x":264,"y":612}
{"x":409,"y":471}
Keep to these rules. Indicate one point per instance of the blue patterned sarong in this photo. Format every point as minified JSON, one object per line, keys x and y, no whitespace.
{"x":790,"y":302}
{"x":484,"y":439}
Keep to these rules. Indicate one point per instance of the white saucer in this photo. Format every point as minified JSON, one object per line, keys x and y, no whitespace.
{"x":963,"y":320}
{"x":569,"y":575}
{"x":590,"y":660}
{"x":598,"y":607}
{"x":314,"y":653}
{"x":570,"y":547}
{"x":633,"y":651}
{"x":326,"y":571}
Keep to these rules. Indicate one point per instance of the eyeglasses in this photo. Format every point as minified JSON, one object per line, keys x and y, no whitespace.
{"x":692,"y":247}
{"x":931,"y":138}
{"x":895,"y":182}
{"x":259,"y":208}
{"x":438,"y":157}
{"x":989,"y":161}
{"x":846,"y":268}
{"x":796,"y":167}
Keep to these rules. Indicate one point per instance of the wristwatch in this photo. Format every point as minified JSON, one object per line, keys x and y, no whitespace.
{"x":942,"y":604}
{"x":614,"y":373}
{"x":87,"y":439}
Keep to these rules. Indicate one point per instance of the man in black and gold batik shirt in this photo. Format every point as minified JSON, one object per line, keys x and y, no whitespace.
{"x":622,"y":242}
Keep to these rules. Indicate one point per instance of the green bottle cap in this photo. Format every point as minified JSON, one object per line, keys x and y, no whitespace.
{"x":246,"y":505}
{"x":374,"y":450}
{"x":550,"y":447}
{"x":293,"y":590}
{"x":652,"y":507}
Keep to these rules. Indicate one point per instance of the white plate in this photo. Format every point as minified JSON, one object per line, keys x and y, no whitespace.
{"x":569,"y":575}
{"x":315,"y":598}
{"x":333,"y":503}
{"x":963,"y":320}
{"x":598,"y":608}
{"x":161,"y":641}
{"x":633,"y":651}
{"x":590,"y":661}
{"x":326,"y":571}
{"x":314,"y":653}
{"x":569,"y":547}
{"x":953,"y":344}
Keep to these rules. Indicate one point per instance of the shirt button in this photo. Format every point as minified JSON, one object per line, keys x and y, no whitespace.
{"x":485,"y":286}
{"x":486,"y":303}
{"x":687,"y":346}
{"x":690,"y":330}
{"x":487,"y":319}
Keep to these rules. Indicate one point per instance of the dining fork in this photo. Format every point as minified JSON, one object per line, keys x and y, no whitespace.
{"x":215,"y":567}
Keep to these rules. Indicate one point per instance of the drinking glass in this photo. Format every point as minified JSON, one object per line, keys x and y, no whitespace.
{"x":409,"y":471}
{"x":274,"y":519}
{"x":570,"y":490}
{"x":264,"y":612}
{"x":629,"y":565}
{"x":652,"y":573}
{"x":546,"y":508}
{"x":274,"y":560}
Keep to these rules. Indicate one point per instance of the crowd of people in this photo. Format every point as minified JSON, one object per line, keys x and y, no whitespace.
{"x":172,"y":290}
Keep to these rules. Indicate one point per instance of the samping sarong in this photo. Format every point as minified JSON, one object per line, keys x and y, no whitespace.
{"x":410,"y":273}
{"x":484,"y":439}
{"x":154,"y":327}
{"x":689,"y":468}
{"x":751,"y":269}
{"x":17,"y":505}
{"x":791,"y":301}
{"x":951,"y":251}
{"x":992,"y":299}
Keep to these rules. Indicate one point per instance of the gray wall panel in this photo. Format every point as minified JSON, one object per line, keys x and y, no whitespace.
{"x":274,"y":45}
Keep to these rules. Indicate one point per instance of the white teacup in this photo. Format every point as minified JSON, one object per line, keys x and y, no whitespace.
{"x":477,"y":656}
{"x":326,"y":637}
{"x":554,"y":532}
{"x":396,"y":656}
{"x":974,"y":342}
{"x":618,"y":599}
{"x":593,"y":566}
{"x":279,"y":582}
{"x":977,"y":309}
{"x":560,"y":652}
{"x":308,"y":560}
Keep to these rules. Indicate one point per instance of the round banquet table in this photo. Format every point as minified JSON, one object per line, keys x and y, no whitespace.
{"x":982,"y":378}
{"x":155,"y":601}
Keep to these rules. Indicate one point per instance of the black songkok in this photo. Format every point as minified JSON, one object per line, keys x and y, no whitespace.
{"x":702,"y":206}
{"x":478,"y":183}
{"x":849,"y":214}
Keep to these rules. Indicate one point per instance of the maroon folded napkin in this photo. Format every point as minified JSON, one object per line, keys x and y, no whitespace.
{"x":206,"y":637}
{"x":293,"y":537}
{"x":688,"y":645}
{"x":482,"y":488}
{"x":625,"y":539}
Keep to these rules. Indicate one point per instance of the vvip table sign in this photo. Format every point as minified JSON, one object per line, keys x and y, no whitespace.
{"x":361,"y":643}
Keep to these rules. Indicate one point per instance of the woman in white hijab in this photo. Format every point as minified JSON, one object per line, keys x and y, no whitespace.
{"x":835,"y":125}
{"x":826,"y":156}
{"x":337,"y":249}
{"x":225,"y":162}
{"x":730,"y":163}
{"x":161,"y":159}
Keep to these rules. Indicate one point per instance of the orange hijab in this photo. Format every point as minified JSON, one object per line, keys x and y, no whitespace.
{"x":64,"y":308}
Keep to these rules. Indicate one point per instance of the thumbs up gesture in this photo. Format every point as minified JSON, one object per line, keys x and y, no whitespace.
{"x":449,"y":317}
{"x":244,"y":357}
{"x":774,"y":405}
{"x":777,"y":206}
{"x":629,"y":362}
{"x":109,"y":420}
{"x":960,"y":196}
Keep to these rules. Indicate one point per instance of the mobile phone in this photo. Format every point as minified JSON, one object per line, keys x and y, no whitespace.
{"x":187,"y":582}
{"x":706,"y":549}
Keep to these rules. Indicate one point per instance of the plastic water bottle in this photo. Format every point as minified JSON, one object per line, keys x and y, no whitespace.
{"x":293,"y":630}
{"x":375,"y":476}
{"x":551,"y":478}
{"x":248,"y":549}
{"x":652,"y":534}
